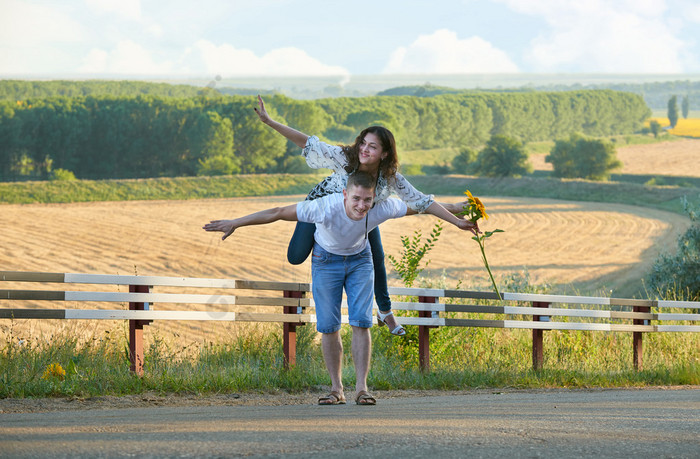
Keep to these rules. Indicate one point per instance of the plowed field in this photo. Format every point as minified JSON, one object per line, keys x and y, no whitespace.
{"x":588,"y":245}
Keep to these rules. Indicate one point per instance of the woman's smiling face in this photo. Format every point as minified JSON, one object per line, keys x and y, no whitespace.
{"x":370,"y":152}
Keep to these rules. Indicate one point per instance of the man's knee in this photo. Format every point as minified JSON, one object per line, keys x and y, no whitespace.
{"x":361,"y":331}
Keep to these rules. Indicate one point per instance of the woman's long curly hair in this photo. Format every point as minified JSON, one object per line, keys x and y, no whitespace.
{"x":388,"y":166}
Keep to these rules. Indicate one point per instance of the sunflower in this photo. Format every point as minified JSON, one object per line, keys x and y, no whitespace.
{"x":474,"y":210}
{"x":476,"y":207}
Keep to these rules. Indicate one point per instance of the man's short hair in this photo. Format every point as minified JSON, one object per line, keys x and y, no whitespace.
{"x":362,"y":179}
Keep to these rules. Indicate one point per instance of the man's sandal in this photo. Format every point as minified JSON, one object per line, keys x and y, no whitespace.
{"x":398,"y":331}
{"x":334,"y":398}
{"x":365,"y":398}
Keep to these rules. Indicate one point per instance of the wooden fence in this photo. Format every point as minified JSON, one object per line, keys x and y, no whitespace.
{"x":460,"y":308}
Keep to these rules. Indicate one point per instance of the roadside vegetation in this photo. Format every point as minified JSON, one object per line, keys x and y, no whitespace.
{"x":75,"y":364}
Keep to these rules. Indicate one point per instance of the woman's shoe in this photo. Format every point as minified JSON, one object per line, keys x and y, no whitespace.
{"x":398,"y":330}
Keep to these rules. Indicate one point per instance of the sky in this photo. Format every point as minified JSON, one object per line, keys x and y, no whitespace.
{"x":248,"y":38}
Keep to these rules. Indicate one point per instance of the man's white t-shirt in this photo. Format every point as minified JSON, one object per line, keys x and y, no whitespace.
{"x":339,"y":234}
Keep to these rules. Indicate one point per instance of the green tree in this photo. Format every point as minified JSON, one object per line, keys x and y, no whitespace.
{"x":62,"y":175}
{"x":464,"y":162}
{"x":213,"y":145}
{"x":304,"y":116}
{"x":293,"y":165}
{"x":503,"y":156}
{"x":673,"y":111}
{"x":655,"y":128}
{"x":685,"y":106}
{"x":677,"y":277}
{"x":257,"y":146}
{"x":341,"y":134}
{"x":583,"y":157}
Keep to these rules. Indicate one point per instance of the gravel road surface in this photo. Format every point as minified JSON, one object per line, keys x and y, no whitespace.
{"x":644,"y":423}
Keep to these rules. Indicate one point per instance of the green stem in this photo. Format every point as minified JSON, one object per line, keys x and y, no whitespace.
{"x":486,"y":264}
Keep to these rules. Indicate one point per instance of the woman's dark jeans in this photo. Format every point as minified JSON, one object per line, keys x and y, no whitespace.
{"x":302,"y":243}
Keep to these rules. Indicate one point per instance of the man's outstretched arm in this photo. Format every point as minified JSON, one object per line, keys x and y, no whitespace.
{"x":287,"y":213}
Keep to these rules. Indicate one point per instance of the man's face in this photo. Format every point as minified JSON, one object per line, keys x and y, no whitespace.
{"x":358,"y":201}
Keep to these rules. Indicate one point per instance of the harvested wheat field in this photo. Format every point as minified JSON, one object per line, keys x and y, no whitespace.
{"x":588,"y":245}
{"x":680,"y":158}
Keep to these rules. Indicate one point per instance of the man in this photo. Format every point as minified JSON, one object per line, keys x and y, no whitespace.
{"x":341,"y":259}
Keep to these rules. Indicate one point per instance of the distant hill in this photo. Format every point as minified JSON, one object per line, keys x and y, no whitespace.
{"x":421,"y":91}
{"x":33,"y":89}
{"x":656,"y":95}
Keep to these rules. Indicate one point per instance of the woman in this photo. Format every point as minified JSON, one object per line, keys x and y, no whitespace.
{"x":374,"y":151}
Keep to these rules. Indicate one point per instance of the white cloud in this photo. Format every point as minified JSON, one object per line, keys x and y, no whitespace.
{"x":95,"y":62}
{"x":623,"y":36}
{"x":33,"y":37}
{"x":127,"y":9}
{"x":444,"y":53}
{"x":207,"y":58}
{"x":127,"y":58}
{"x":155,"y":30}
{"x":693,"y":13}
{"x":25,"y":25}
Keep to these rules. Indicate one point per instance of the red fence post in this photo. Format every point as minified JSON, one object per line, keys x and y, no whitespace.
{"x":289,"y":331}
{"x":637,"y":338}
{"x":537,"y":338}
{"x":136,"y":355}
{"x":424,"y":335}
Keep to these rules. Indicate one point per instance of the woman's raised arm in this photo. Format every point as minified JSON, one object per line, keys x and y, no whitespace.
{"x":298,"y":138}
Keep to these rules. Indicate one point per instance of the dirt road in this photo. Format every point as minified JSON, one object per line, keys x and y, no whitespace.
{"x":485,"y":423}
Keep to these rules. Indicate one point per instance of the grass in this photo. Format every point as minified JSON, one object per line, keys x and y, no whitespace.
{"x":639,"y":194}
{"x":461,"y":358}
{"x":431,"y":157}
{"x":157,"y":188}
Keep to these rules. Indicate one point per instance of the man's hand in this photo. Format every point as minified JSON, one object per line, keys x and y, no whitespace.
{"x":225,"y":226}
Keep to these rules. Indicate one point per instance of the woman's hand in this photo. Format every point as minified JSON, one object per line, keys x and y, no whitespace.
{"x":469,"y":226}
{"x":456,"y":207}
{"x":297,"y":138}
{"x":262,"y":113}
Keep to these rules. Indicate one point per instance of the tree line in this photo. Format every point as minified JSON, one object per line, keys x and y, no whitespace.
{"x":135,"y":136}
{"x":14,"y":90}
{"x":655,"y":94}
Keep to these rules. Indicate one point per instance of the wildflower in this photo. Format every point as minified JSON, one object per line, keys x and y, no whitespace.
{"x":473,"y":211}
{"x":54,"y":370}
{"x":477,"y":207}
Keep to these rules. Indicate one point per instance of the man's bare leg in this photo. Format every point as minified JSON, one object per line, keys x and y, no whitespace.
{"x":361,"y":352}
{"x":332,"y":348}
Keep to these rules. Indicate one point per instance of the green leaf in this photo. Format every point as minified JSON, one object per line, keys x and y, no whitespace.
{"x":490,"y":233}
